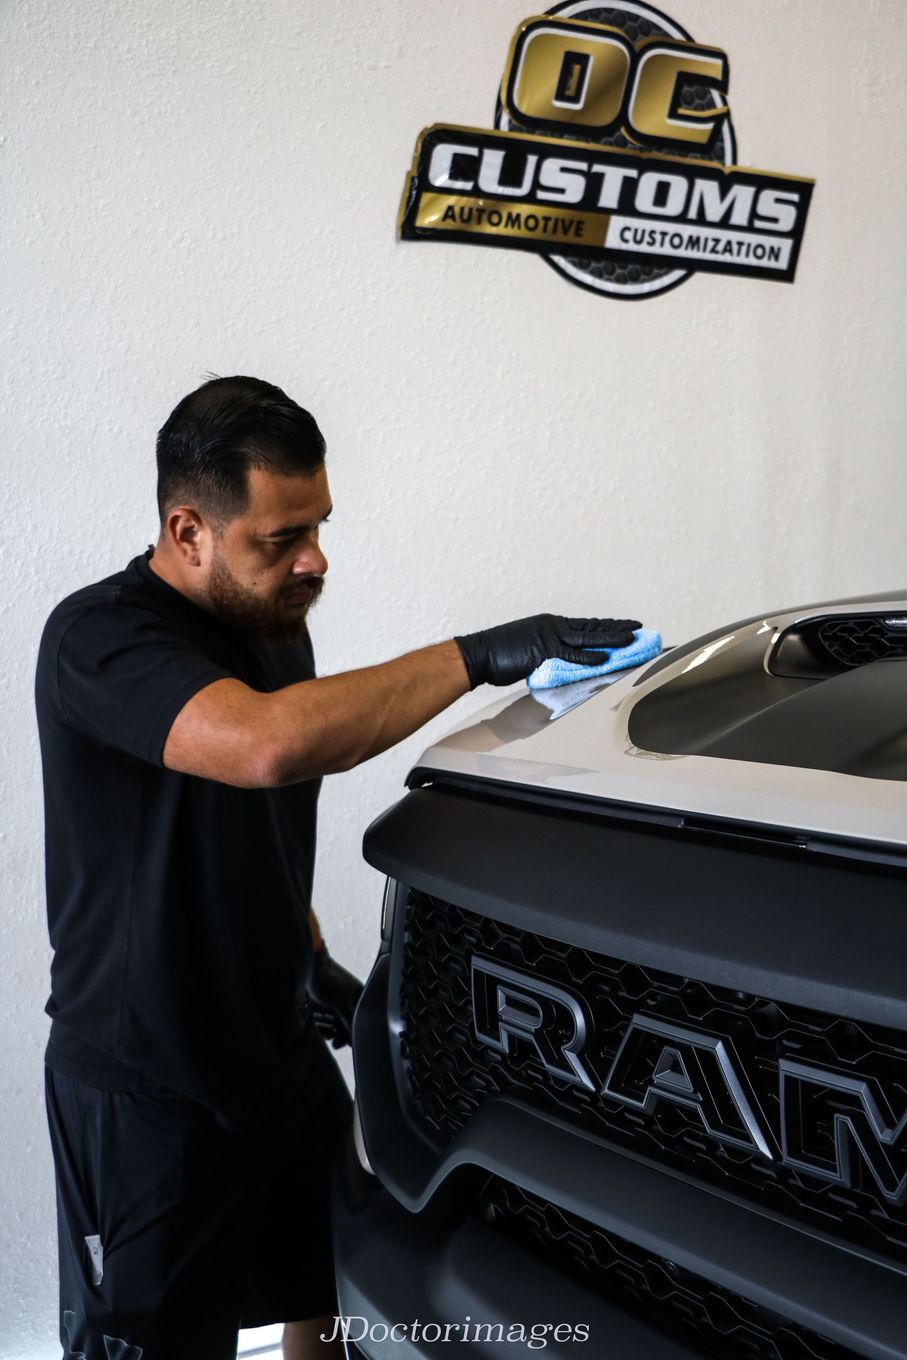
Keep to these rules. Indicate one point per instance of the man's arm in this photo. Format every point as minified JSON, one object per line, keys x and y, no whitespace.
{"x":239,"y":736}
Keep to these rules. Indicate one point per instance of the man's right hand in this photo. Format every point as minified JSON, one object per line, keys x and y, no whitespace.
{"x":510,"y":652}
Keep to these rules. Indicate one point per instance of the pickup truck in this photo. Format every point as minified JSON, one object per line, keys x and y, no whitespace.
{"x":631,"y":1063}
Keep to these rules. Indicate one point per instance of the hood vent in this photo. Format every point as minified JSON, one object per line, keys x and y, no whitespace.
{"x":856,"y":640}
{"x":818,"y":648}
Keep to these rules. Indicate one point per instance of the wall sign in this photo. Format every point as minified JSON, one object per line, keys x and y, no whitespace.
{"x":613,"y":156}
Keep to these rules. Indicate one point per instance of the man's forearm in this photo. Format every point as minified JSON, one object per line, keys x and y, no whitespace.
{"x":333,"y":723}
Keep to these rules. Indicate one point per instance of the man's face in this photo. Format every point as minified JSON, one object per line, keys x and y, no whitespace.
{"x":266,"y":568}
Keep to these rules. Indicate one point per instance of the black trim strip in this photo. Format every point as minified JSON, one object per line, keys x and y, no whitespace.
{"x":764,"y":833}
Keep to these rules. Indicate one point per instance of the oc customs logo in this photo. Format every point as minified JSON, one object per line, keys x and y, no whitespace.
{"x":613,"y":157}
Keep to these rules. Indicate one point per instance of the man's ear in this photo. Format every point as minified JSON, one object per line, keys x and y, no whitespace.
{"x":185,"y":530}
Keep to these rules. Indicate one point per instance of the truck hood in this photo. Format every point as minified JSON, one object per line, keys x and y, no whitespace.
{"x":796,"y":721}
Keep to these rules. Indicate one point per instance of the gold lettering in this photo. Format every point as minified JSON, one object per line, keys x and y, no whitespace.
{"x":567,"y":73}
{"x":655,"y":113}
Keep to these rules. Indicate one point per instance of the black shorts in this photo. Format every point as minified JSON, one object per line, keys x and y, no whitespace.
{"x":174,"y":1232}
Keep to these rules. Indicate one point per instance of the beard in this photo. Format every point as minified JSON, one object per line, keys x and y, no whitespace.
{"x":276,"y":619}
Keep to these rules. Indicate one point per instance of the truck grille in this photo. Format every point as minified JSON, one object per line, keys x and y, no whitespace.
{"x":450,"y":1072}
{"x":856,"y":641}
{"x":719,"y":1322}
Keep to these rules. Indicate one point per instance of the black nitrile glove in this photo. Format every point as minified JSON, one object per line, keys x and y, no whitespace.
{"x":334,"y":993}
{"x":499,"y":656}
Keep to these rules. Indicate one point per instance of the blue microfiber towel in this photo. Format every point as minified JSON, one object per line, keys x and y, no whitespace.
{"x":555,"y":671}
{"x":563,"y":698}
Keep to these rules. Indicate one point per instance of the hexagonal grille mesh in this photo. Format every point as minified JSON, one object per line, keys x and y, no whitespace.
{"x":857,"y":641}
{"x":450,"y":1072}
{"x":687,"y":1306}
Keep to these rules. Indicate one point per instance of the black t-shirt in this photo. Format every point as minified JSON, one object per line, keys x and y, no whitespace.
{"x":177,"y":906}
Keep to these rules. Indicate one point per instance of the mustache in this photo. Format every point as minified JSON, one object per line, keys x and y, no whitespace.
{"x":314,"y":583}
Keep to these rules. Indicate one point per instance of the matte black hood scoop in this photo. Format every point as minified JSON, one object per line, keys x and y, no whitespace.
{"x":853,"y":721}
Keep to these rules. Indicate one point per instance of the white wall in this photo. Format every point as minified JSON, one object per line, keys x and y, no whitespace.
{"x":214,"y":185}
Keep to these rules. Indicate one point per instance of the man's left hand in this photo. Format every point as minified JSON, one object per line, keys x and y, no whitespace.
{"x":334,"y":993}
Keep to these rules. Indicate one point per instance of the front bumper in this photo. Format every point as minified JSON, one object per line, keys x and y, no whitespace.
{"x":396,"y":1267}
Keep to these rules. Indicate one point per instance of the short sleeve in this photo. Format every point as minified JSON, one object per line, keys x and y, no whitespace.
{"x":123,"y":674}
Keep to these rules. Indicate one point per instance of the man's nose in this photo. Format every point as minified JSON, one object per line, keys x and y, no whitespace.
{"x":310,"y":561}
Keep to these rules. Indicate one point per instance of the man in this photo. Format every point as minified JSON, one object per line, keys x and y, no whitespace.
{"x":193,"y":1104}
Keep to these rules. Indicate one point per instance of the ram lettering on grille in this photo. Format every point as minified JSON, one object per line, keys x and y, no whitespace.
{"x":661,"y":1061}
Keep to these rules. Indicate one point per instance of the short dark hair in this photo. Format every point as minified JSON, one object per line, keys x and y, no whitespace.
{"x":222,"y":429}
